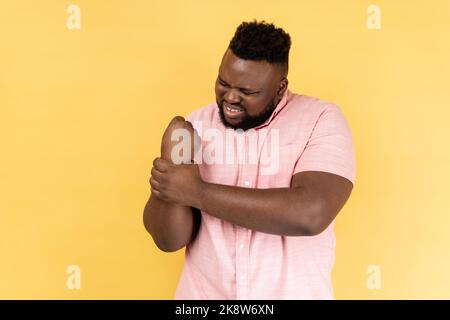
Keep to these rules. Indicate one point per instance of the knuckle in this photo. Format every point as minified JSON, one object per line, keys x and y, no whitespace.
{"x":177,"y":120}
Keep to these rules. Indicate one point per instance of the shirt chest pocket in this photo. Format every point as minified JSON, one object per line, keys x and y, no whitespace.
{"x":277,"y":167}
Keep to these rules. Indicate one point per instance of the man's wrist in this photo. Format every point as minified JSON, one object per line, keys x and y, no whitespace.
{"x":202,"y":189}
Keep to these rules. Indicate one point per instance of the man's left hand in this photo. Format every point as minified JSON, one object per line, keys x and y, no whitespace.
{"x":179,"y":184}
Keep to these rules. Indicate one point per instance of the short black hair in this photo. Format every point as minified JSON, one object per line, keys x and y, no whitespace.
{"x":261,"y":41}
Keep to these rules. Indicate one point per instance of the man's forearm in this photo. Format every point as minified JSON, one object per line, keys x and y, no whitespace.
{"x":281,"y":211}
{"x":171,"y":226}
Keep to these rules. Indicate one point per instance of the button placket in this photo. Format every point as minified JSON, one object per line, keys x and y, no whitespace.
{"x":247,"y":178}
{"x":241,"y":264}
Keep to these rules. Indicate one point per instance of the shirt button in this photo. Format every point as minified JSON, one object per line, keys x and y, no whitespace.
{"x":243,"y":277}
{"x":241,"y":246}
{"x":247,"y":183}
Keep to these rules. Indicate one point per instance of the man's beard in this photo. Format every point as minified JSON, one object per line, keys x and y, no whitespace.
{"x":248,"y":121}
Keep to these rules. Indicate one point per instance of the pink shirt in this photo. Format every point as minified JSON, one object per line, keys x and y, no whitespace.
{"x":227,"y":261}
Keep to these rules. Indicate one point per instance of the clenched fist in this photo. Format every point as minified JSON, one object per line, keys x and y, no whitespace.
{"x":180,"y":141}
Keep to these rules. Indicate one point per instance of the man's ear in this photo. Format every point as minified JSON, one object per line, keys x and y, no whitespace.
{"x":282,"y":87}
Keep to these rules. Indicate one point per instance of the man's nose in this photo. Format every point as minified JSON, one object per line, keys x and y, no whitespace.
{"x":232,"y":96}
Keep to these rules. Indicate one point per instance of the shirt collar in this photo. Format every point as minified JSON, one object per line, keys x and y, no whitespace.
{"x":277,"y":110}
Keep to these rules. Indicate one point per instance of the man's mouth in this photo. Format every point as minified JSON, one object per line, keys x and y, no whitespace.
{"x":232,"y":111}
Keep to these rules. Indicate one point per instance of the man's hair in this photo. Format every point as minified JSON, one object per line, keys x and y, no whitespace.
{"x":261,"y":41}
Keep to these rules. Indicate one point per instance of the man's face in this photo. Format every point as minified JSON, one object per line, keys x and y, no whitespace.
{"x":247,"y":91}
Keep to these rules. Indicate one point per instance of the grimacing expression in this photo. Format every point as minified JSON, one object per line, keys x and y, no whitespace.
{"x":248,"y":91}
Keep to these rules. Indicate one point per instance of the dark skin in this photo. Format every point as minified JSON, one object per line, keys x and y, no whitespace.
{"x":306,"y":208}
{"x":250,"y":85}
{"x":171,"y":225}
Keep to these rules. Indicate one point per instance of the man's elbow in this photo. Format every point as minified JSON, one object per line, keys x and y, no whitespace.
{"x":316,"y":228}
{"x":168,"y":247}
{"x":315,"y":221}
{"x":162,"y":244}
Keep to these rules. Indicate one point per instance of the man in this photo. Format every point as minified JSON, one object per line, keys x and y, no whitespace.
{"x":253,"y":228}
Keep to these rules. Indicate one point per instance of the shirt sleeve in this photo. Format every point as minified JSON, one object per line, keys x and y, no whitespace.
{"x":330,"y":147}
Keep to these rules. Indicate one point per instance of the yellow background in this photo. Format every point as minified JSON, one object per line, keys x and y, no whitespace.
{"x":82,"y":113}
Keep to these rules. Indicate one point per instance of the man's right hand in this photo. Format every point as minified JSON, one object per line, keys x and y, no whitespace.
{"x":167,"y":144}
